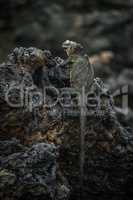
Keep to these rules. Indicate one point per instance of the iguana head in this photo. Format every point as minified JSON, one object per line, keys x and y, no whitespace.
{"x":71,"y":47}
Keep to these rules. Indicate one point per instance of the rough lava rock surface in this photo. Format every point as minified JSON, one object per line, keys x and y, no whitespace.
{"x":28,"y":173}
{"x":45,"y":162}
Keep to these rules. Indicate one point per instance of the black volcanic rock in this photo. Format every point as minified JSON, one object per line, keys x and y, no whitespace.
{"x":31,"y":173}
{"x":108,"y":161}
{"x":46,"y":162}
